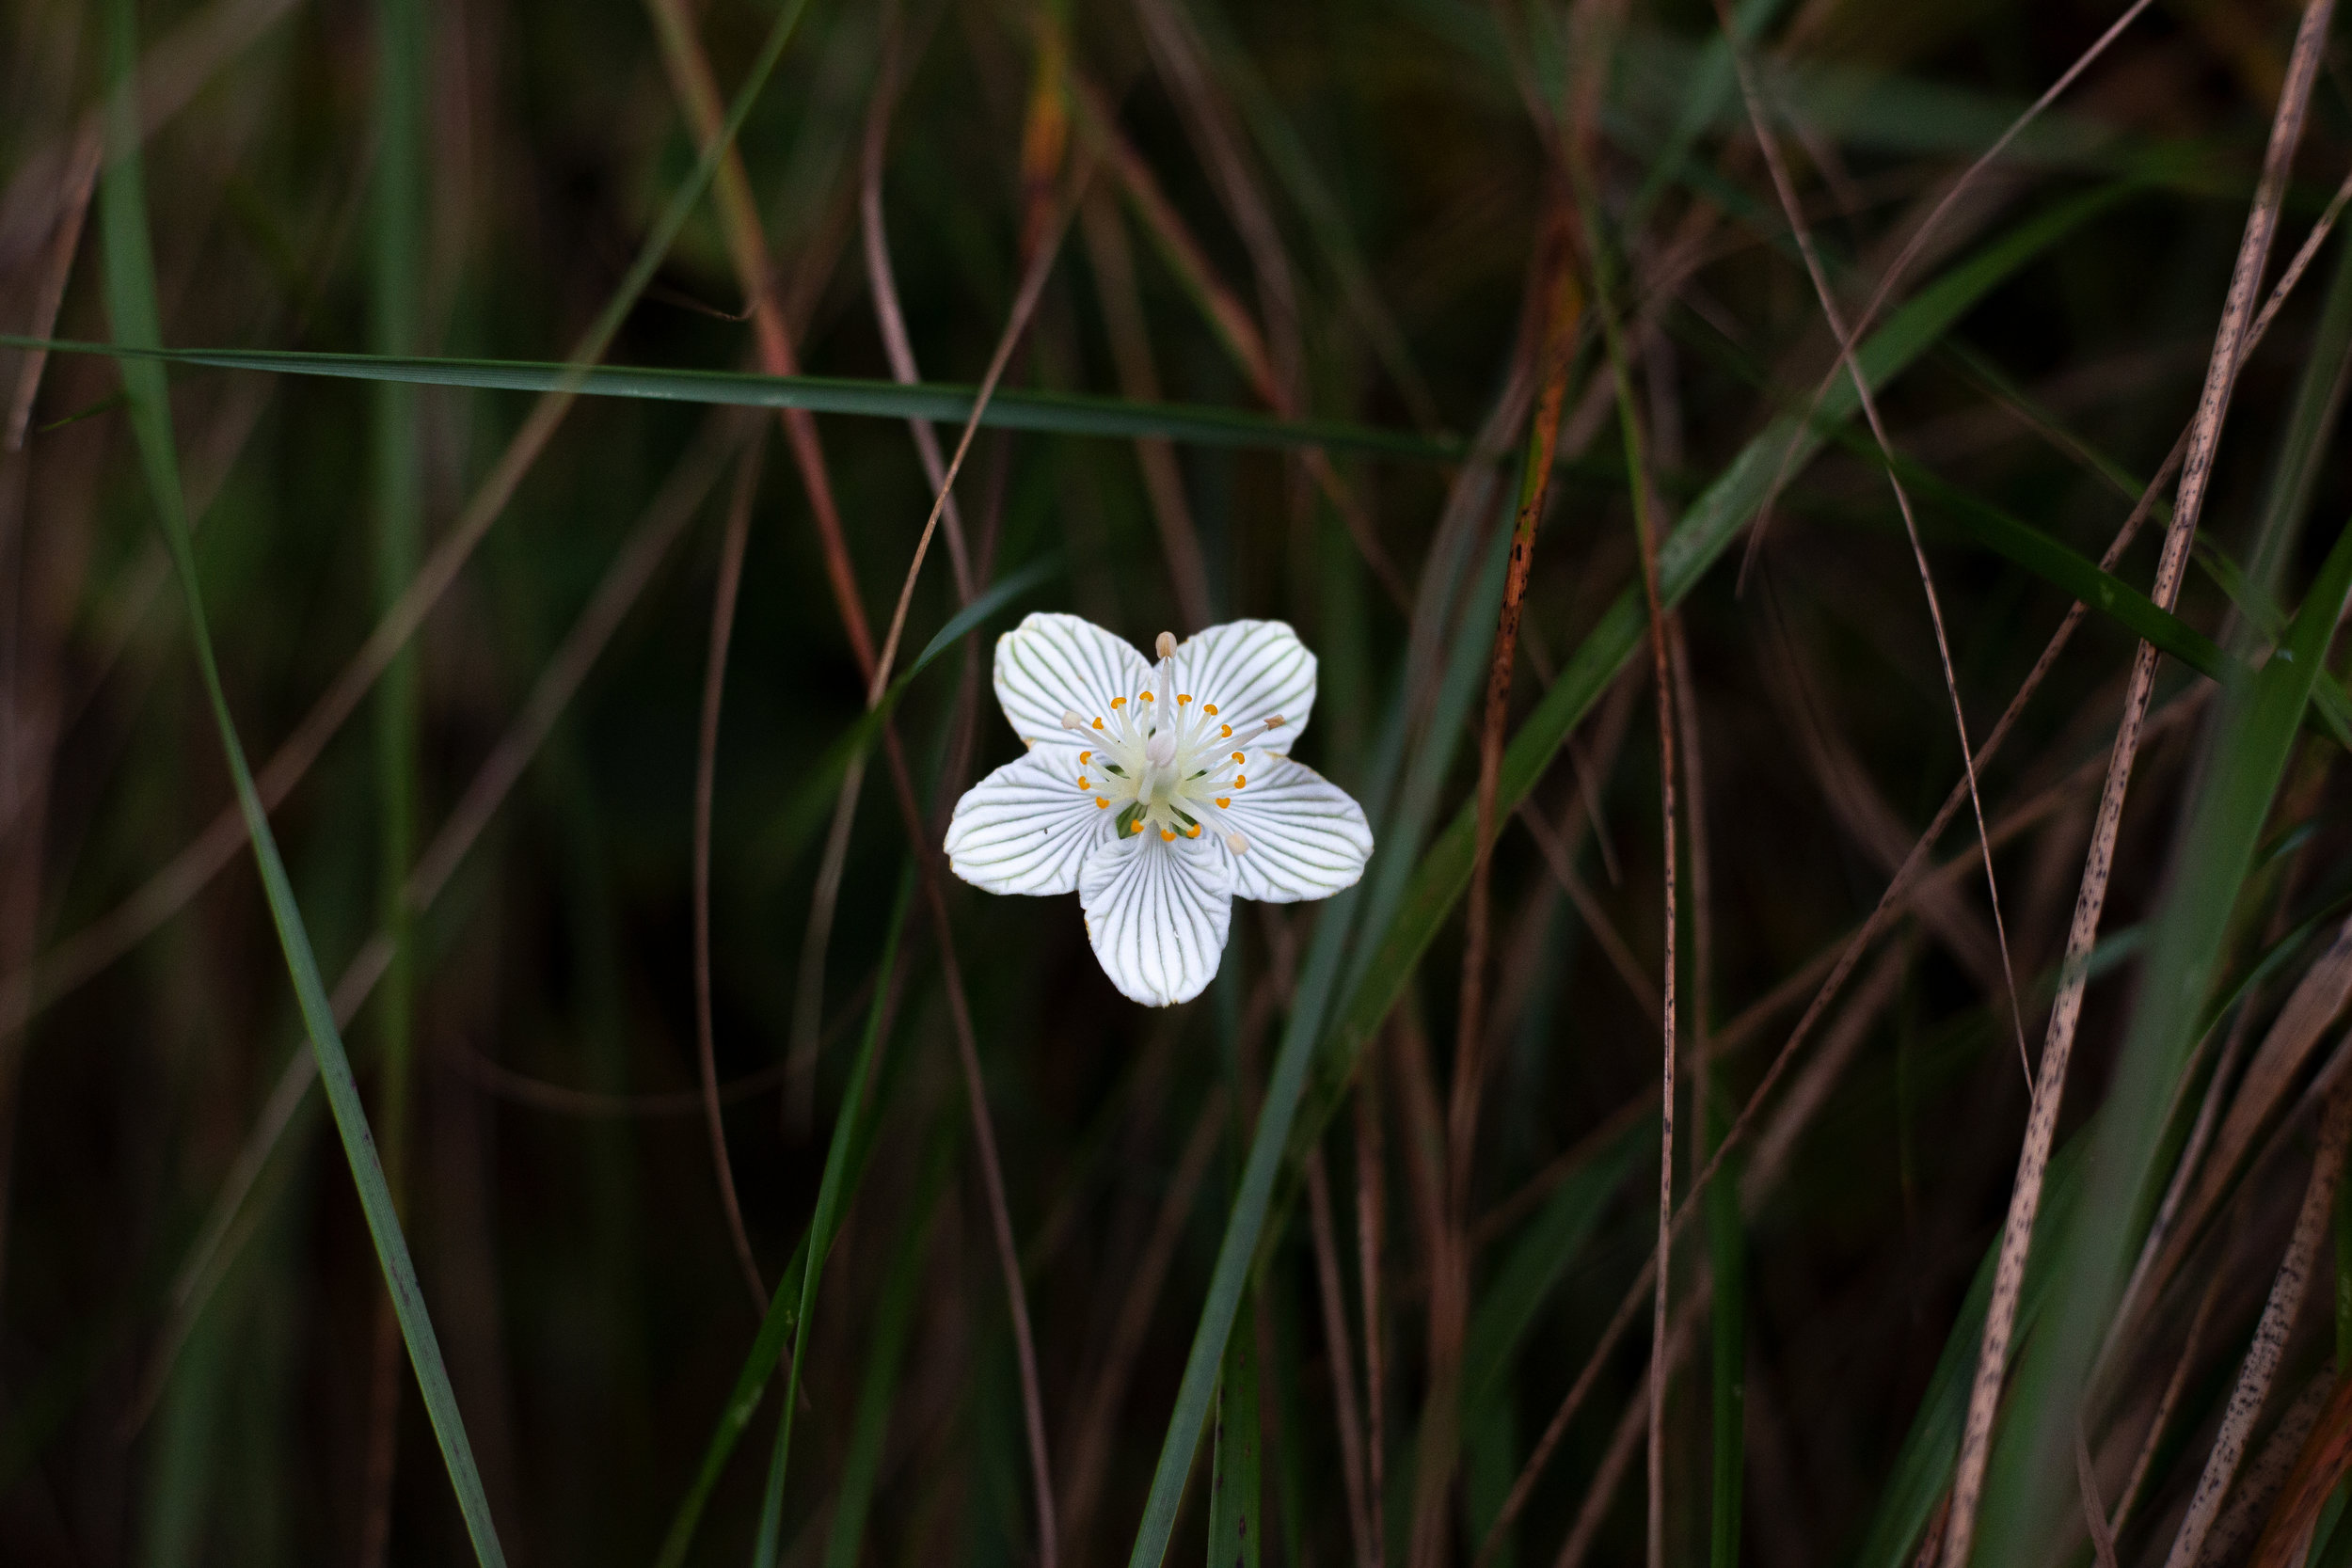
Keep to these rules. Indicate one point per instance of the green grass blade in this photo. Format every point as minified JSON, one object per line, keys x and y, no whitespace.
{"x":885,"y":1357}
{"x":786,"y":1319}
{"x":1047,"y":413}
{"x":2251,"y":739}
{"x":1237,"y":1526}
{"x":1728,"y":1268}
{"x":130,"y":288}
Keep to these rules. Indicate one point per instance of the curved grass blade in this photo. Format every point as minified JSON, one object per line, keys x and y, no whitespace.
{"x":130,"y":286}
{"x":1049,"y":413}
{"x":787,"y":1310}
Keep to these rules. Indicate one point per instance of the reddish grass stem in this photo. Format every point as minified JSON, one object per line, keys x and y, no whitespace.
{"x":706,"y":776}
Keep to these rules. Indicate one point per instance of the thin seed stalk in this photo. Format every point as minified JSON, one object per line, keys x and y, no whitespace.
{"x":1560,"y":303}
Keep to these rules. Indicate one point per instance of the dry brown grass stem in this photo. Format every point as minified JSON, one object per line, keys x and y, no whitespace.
{"x":1917,"y":245}
{"x":1632,"y":1426}
{"x":1847,"y":340}
{"x":1089,"y":1452}
{"x":1604,"y":932}
{"x":219,"y":1240}
{"x":78,"y":179}
{"x":722,"y":602}
{"x":1231,"y":323}
{"x":1138,"y":380}
{"x":698,"y":94}
{"x":1340,"y":1354}
{"x":2321,"y":1464}
{"x":2184,"y":1171}
{"x":2278,"y":1064}
{"x":2165,"y":1402}
{"x":1559,"y":302}
{"x":2270,"y":1337}
{"x":881,"y":284}
{"x":1370,"y":1226}
{"x":2094,"y":1507}
{"x":2057,"y":1046}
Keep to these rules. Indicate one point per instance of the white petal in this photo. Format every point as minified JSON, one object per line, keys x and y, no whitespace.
{"x":1252,"y":669}
{"x":1306,"y":838}
{"x":1050,"y":665}
{"x":1158,"y":912}
{"x":1026,"y":828}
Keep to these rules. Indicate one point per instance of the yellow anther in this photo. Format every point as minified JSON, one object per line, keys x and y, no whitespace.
{"x":1086,"y":756}
{"x":1147,"y":696}
{"x":1227,"y":729}
{"x":1210,"y":708}
{"x":1239,"y":781}
{"x":1224,"y":801}
{"x":1098,"y":723}
{"x":1100,"y":801}
{"x":1182,"y":697}
{"x":1167,"y":835}
{"x":1082,"y":781}
{"x":1195,"y":832}
{"x":1239,"y":756}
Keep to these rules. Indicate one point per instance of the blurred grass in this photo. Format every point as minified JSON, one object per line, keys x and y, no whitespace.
{"x":374,"y":221}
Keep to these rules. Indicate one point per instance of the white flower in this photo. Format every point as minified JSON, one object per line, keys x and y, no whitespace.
{"x":1157,"y":792}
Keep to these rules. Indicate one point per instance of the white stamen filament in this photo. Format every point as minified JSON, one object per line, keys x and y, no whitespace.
{"x":1165,"y":760}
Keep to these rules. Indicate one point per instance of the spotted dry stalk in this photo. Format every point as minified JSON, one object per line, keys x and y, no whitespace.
{"x":1561,"y":306}
{"x":2270,"y":1337}
{"x":2057,"y":1045}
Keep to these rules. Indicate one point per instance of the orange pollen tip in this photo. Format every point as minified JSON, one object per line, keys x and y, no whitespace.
{"x":1098,"y":723}
{"x":1147,"y":696}
{"x":1100,"y":801}
{"x":1238,"y":756}
{"x":1086,"y":756}
{"x":1239,"y":781}
{"x":1167,"y":835}
{"x":1116,"y":702}
{"x":1195,"y":832}
{"x":1224,"y":801}
{"x":1227,"y":728}
{"x":1182,"y":697}
{"x":1082,"y":781}
{"x":1209,"y":708}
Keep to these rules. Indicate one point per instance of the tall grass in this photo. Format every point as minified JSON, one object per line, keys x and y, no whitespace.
{"x":1758,"y":479}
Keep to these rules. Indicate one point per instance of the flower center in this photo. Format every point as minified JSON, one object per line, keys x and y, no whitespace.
{"x":1167,"y":762}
